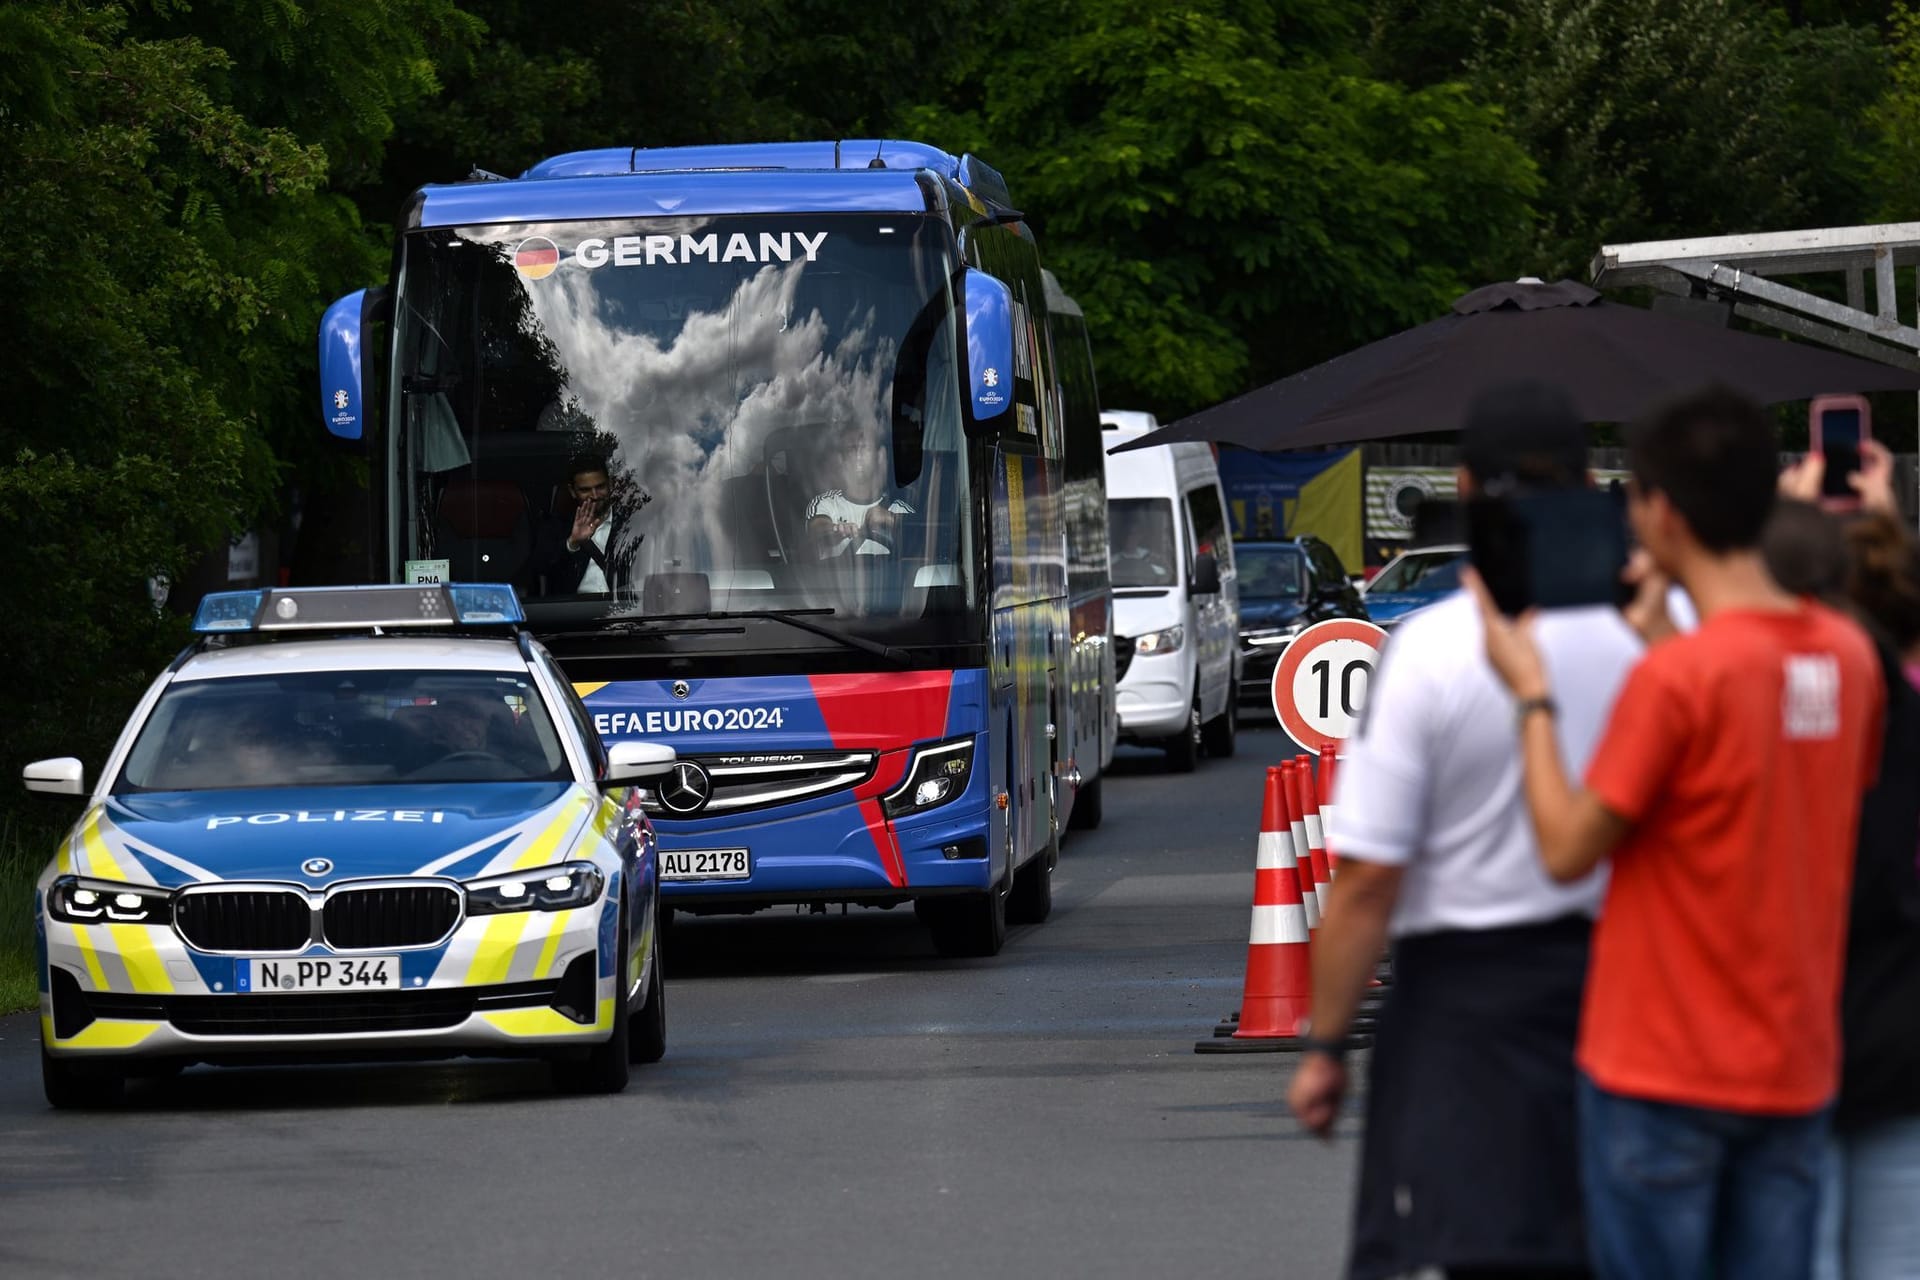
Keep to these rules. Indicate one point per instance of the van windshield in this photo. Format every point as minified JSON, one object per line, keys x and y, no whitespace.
{"x":1143,"y":543}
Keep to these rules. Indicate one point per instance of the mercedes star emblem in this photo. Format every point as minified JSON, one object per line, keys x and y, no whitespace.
{"x":687,"y":789}
{"x":681,"y":688}
{"x":316,"y":866}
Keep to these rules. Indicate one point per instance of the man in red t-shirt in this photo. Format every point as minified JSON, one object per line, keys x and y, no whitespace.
{"x":1727,"y":791}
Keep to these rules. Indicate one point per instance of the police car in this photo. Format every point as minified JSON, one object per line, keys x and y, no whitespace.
{"x":353,"y":822}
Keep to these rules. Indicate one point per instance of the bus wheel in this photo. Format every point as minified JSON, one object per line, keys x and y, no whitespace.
{"x":1086,"y":807}
{"x":975,"y":925}
{"x":1032,"y":898}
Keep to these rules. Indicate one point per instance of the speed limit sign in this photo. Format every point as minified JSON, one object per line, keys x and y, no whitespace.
{"x":1320,"y":683}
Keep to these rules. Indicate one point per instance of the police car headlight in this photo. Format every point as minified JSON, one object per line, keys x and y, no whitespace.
{"x":570,"y":884}
{"x":938,"y":773}
{"x":1167,"y":641}
{"x":79,"y":901}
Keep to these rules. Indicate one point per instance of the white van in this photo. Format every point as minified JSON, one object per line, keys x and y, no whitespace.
{"x":1176,"y":603}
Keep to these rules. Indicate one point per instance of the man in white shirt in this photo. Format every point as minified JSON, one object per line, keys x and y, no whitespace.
{"x":1468,"y":1159}
{"x":860,"y":515}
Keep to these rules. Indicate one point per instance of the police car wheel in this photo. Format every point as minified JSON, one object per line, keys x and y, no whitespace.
{"x":647,"y":1027}
{"x":73,"y":1085}
{"x":604,"y":1068}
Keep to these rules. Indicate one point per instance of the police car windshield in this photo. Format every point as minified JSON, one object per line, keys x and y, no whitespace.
{"x":674,"y":415}
{"x":344,"y":728}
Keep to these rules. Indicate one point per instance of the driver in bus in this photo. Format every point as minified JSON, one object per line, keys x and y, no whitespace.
{"x":861,"y":514}
{"x":586,"y":550}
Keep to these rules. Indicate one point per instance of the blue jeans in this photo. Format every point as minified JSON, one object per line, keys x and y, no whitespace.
{"x":1684,"y":1193}
{"x":1870,"y":1214}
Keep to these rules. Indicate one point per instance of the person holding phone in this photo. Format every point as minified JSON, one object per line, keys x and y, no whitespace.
{"x":1474,"y":1047}
{"x":1734,"y":758}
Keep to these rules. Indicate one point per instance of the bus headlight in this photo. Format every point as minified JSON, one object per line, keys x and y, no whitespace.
{"x":938,"y":773}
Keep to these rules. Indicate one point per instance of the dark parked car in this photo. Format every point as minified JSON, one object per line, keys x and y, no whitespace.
{"x":1285,"y":587}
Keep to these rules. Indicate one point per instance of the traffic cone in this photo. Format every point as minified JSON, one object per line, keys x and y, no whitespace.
{"x":1279,"y":982}
{"x":1311,"y":886}
{"x":1309,"y":810}
{"x":1329,"y":766}
{"x":1276,"y":841}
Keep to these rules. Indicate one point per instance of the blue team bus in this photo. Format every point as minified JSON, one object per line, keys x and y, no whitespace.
{"x":793,"y":454}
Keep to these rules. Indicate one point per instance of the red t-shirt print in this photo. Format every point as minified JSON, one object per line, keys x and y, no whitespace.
{"x":1739,"y":753}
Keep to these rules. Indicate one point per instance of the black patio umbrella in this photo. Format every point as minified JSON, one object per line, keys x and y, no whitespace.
{"x":1616,"y":362}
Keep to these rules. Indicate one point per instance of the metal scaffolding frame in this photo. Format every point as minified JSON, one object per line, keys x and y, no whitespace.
{"x":1741,"y":274}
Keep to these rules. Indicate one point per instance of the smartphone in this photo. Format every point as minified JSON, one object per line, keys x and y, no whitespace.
{"x":1836,"y":428}
{"x":1559,"y":549}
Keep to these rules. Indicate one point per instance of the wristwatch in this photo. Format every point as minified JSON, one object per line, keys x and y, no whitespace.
{"x":1335,"y":1049}
{"x":1527,"y":706}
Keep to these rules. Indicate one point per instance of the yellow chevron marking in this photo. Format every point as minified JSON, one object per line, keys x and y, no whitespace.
{"x":590,"y":687}
{"x":144,"y":966}
{"x":551,"y":947}
{"x":540,"y":852}
{"x":92,"y":958}
{"x":106,"y":1033}
{"x":493,"y":955}
{"x":548,"y":1022}
{"x":100,"y":860}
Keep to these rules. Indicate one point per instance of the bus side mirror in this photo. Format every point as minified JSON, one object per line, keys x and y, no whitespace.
{"x":343,"y":390}
{"x":987,"y":340}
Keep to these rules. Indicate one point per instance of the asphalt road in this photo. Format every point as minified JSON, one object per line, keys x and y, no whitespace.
{"x":836,"y":1101}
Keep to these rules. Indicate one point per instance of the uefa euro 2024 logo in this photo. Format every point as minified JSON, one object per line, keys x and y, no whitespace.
{"x":340,"y":399}
{"x":991,"y":377}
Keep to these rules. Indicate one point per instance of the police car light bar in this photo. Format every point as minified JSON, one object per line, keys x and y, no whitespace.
{"x":323,"y":608}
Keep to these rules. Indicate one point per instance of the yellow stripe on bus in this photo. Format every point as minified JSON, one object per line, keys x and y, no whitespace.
{"x":589,"y":687}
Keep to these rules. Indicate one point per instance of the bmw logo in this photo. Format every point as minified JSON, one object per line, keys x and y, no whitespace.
{"x":316,"y":866}
{"x":681,"y":689}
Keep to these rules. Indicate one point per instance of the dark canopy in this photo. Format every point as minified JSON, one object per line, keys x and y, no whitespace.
{"x":1615,"y":361}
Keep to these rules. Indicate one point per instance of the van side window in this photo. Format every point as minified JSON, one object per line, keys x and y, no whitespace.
{"x":1209,"y":524}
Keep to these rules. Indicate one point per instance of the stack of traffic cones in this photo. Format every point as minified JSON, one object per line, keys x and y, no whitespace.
{"x":1279,"y":982}
{"x":1293,"y":873}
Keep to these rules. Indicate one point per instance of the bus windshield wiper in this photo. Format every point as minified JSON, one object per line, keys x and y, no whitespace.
{"x":800,"y":618}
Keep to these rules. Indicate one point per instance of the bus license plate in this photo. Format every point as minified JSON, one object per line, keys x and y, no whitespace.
{"x":705,"y":864}
{"x":326,"y":973}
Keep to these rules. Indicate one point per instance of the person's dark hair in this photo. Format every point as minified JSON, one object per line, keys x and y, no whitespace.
{"x":1712,"y":453}
{"x":582,"y":463}
{"x":1806,"y":551}
{"x":1883,"y":578}
{"x":1525,"y":431}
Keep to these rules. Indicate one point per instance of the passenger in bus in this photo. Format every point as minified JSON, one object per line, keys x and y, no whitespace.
{"x":585,"y":550}
{"x":862,"y":513}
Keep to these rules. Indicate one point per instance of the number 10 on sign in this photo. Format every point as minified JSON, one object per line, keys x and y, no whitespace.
{"x":1320,"y":683}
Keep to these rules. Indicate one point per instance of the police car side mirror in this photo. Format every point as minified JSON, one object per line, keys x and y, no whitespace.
{"x":62,"y":777}
{"x":987,"y":349}
{"x":631,"y":761}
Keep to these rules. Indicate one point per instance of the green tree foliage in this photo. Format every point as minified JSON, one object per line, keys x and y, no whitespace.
{"x":170,"y":247}
{"x":1652,"y":118}
{"x":1895,"y":121}
{"x":1227,"y":196}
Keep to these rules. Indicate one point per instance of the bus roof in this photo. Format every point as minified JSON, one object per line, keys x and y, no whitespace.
{"x":778,"y":177}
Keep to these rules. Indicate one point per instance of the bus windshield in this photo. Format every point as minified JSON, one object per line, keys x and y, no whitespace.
{"x":666,"y":416}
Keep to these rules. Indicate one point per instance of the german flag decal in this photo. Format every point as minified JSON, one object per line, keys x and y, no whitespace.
{"x":536,"y":258}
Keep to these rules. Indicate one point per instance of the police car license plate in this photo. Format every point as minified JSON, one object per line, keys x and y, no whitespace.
{"x":329,"y":973}
{"x":705,"y":864}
